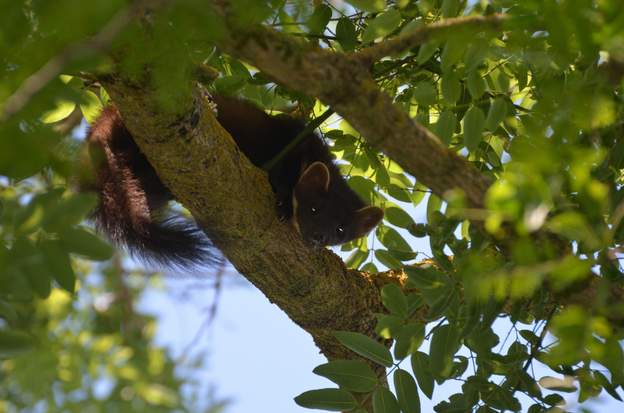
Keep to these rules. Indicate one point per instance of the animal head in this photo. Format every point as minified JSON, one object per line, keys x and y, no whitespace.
{"x":327,"y":214}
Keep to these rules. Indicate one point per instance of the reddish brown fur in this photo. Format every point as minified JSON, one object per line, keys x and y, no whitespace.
{"x":132,"y":195}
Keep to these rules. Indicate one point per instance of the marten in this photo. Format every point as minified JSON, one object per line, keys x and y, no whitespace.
{"x":311,"y":193}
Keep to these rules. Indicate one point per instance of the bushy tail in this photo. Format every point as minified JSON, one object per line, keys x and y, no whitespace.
{"x":131,"y":197}
{"x":172,"y":242}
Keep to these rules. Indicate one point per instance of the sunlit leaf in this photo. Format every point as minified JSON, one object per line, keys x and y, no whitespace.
{"x":369,"y":5}
{"x":422,"y":372}
{"x":365,"y":347}
{"x":384,"y":401}
{"x":382,"y":25}
{"x":352,"y":375}
{"x":407,"y":393}
{"x":345,"y":34}
{"x":335,"y":400}
{"x":394,"y":300}
{"x":474,"y":122}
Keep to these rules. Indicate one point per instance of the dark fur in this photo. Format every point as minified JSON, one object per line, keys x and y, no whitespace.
{"x":326,"y":210}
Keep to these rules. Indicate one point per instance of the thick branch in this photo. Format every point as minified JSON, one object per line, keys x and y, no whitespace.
{"x":344,"y":83}
{"x":424,"y":34}
{"x":232,"y":200}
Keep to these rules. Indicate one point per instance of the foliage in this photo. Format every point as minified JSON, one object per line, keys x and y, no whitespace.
{"x":536,"y":106}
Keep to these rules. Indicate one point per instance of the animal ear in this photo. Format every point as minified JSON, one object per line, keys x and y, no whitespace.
{"x":315,"y":178}
{"x":366,"y":219}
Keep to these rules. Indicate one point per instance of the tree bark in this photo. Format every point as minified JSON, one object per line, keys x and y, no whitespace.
{"x":233,"y":202}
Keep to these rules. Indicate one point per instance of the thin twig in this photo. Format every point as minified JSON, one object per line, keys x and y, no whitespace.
{"x":212,"y":314}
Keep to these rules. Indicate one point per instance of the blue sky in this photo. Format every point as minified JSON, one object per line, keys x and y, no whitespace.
{"x":256,"y":356}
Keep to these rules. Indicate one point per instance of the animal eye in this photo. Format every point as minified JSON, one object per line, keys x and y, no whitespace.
{"x":314,"y":210}
{"x":339,"y":230}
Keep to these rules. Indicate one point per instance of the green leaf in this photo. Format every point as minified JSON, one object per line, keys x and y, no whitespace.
{"x":406,"y":391}
{"x":362,"y":186}
{"x":13,"y":343}
{"x":450,"y":8}
{"x":574,"y":226}
{"x":229,"y":84}
{"x":434,"y":204}
{"x":394,"y":300}
{"x":32,"y":266}
{"x":452,"y":52}
{"x":408,"y":340}
{"x":319,"y":19}
{"x":391,"y":239}
{"x":59,"y":264}
{"x":369,"y":267}
{"x":426,"y":51}
{"x":352,"y":375}
{"x":426,"y":278}
{"x":68,"y":211}
{"x":474,"y":121}
{"x":612,"y":357}
{"x":387,"y":259}
{"x":388,"y":326}
{"x":346,"y":34}
{"x":422,"y":372}
{"x":335,"y":400}
{"x":475,"y":54}
{"x":91,"y":106}
{"x":443,"y":300}
{"x":496,"y":113}
{"x":397,"y":216}
{"x":419,"y":230}
{"x":62,"y":110}
{"x":451,"y":87}
{"x":445,"y":127}
{"x":529,"y":336}
{"x":7,"y":311}
{"x":382,"y":25}
{"x":34,"y":145}
{"x":476,"y":84}
{"x":371,"y":6}
{"x":554,"y":399}
{"x":565,"y":384}
{"x":365,"y":347}
{"x":501,"y":398}
{"x":536,"y":408}
{"x":412,"y":26}
{"x":414,"y":302}
{"x":445,"y":342}
{"x":357,"y":258}
{"x":384,"y":401}
{"x":82,"y":242}
{"x":400,"y":193}
{"x":500,"y":81}
{"x":418,"y":194}
{"x":607,"y":385}
{"x":425,"y":93}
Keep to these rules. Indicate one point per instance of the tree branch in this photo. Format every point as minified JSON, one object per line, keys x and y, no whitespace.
{"x":345,"y":84}
{"x":423,"y":34}
{"x":233,"y":202}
